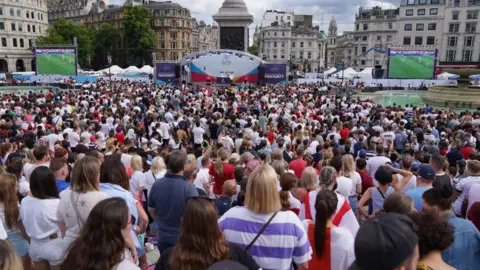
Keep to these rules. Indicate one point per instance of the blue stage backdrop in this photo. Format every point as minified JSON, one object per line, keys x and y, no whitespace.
{"x":165,"y":72}
{"x":275,"y":73}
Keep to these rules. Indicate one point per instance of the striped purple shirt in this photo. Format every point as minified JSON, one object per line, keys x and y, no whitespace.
{"x":284,"y":240}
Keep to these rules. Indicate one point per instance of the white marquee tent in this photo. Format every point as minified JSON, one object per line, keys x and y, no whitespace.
{"x":131,"y":70}
{"x":447,"y":76}
{"x":330,"y":71}
{"x":146,"y":69}
{"x":114,"y":70}
{"x":366,"y":74}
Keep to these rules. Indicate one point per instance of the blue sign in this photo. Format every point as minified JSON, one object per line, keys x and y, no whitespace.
{"x":339,"y":67}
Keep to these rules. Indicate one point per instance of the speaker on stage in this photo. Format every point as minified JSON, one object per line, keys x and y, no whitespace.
{"x":261,"y":73}
{"x":177,"y":71}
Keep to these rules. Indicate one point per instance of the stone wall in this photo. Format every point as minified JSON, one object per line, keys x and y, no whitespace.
{"x":453,"y":96}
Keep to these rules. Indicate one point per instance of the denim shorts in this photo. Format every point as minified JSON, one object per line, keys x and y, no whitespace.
{"x":18,"y":242}
{"x":353,"y":203}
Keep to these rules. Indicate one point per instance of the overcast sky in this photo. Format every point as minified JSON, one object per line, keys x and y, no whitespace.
{"x":343,"y":10}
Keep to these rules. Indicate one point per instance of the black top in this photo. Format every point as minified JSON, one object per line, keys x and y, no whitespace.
{"x":442,"y":180}
{"x":236,"y":254}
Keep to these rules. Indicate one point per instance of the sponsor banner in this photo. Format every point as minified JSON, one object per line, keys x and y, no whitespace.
{"x":165,"y":72}
{"x":54,"y":51}
{"x":275,"y":73}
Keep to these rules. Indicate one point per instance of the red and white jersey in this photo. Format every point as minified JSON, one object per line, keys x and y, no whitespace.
{"x":338,"y":248}
{"x":295,"y":204}
{"x":343,"y":217}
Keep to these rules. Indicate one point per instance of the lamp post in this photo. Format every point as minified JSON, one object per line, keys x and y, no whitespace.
{"x":109,"y":60}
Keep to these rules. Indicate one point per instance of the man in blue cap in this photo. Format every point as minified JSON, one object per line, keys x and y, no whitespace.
{"x":426,"y":176}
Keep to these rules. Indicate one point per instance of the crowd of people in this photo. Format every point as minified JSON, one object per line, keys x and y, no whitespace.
{"x":277,"y":177}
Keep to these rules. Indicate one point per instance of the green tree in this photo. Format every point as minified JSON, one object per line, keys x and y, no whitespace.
{"x":138,"y":34}
{"x":106,"y":41}
{"x":64,"y":31}
{"x":253,"y":49}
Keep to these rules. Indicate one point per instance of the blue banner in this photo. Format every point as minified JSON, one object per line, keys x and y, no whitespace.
{"x":275,"y":73}
{"x":165,"y":72}
{"x":224,"y":80}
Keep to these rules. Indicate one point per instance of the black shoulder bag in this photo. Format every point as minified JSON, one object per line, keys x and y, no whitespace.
{"x":261,"y":231}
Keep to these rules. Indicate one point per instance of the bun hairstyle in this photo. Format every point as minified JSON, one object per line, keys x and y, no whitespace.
{"x":439,"y":196}
{"x":325,"y":206}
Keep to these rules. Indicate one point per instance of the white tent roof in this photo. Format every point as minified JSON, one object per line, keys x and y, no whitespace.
{"x":365,"y":74}
{"x":330,"y":71}
{"x":113,"y":70}
{"x":131,"y":69}
{"x":366,"y":71}
{"x":445,"y":76}
{"x":350,"y":71}
{"x":146,"y":69}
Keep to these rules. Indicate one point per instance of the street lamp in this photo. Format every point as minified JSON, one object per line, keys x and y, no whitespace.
{"x":109,"y":60}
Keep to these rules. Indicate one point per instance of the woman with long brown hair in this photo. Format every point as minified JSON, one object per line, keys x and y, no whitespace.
{"x":10,"y":217}
{"x":77,"y":201}
{"x":101,"y":244}
{"x":288,"y":181}
{"x":221,"y":171}
{"x":201,"y":242}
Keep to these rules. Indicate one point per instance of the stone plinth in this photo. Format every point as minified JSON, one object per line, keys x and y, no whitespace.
{"x":453,"y":96}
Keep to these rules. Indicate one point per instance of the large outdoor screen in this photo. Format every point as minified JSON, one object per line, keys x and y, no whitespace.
{"x":411,"y":64}
{"x":55,"y":62}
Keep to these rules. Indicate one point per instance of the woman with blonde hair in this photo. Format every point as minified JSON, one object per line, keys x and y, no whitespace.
{"x":111,"y":146}
{"x":156,"y":172}
{"x":10,"y":218}
{"x":349,"y":172}
{"x":262,"y":206}
{"x":137,"y":181}
{"x":221,"y":171}
{"x":307,"y":183}
{"x":77,"y":201}
{"x":8,"y":257}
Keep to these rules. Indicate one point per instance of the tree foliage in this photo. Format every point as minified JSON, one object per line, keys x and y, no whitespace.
{"x":107,"y":41}
{"x":253,"y":50}
{"x":138,"y":34}
{"x":64,"y":31}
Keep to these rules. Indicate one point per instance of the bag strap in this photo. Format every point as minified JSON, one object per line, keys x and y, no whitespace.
{"x":77,"y":213}
{"x":383,"y":196}
{"x":261,"y":231}
{"x":154,"y":176}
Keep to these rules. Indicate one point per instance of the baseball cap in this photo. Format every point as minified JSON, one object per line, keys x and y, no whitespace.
{"x":362,"y":153}
{"x":384,"y":242}
{"x":415,"y":166}
{"x":426,"y":172}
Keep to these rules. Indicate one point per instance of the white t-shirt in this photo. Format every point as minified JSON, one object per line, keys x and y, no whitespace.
{"x":23,"y":186}
{"x":473,"y":195}
{"x":52,"y":138}
{"x":137,"y":181}
{"x":412,"y":183}
{"x":155,"y":143}
{"x":389,"y":135}
{"x":74,"y":138}
{"x":464,"y":186}
{"x":356,"y":180}
{"x":344,"y":186}
{"x":202,"y":178}
{"x":39,"y":217}
{"x":84,"y":203}
{"x":374,"y":163}
{"x":165,"y":130}
{"x":198,"y":135}
{"x":150,"y":180}
{"x":101,"y":139}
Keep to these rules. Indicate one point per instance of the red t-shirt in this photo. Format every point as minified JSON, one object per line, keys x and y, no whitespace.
{"x":367,"y":181}
{"x":120,"y":138}
{"x":466,"y":152}
{"x":344,"y":133}
{"x":298,"y":165}
{"x":228,"y":173}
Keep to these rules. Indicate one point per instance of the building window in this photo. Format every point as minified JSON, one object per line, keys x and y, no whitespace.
{"x":2,"y":26}
{"x":407,"y":40}
{"x":365,"y":26}
{"x":390,"y":25}
{"x":379,"y":38}
{"x":469,"y":42}
{"x":410,"y":2}
{"x":41,"y":17}
{"x":274,"y":56}
{"x":435,"y":2}
{"x":455,"y":15}
{"x":362,"y":62}
{"x":283,"y":34}
{"x":422,"y":2}
{"x":409,"y":12}
{"x":275,"y":44}
{"x":309,"y":55}
{"x":456,"y":3}
{"x":309,"y":44}
{"x":357,"y":27}
{"x":33,"y":28}
{"x":283,"y":56}
{"x":301,"y":44}
{"x":274,"y":34}
{"x":30,"y":43}
{"x":28,"y":27}
{"x":19,"y":13}
{"x":12,"y":12}
{"x":421,"y":11}
{"x":173,"y":35}
{"x":301,"y":55}
{"x":27,"y":14}
{"x":4,"y":42}
{"x":364,"y":49}
{"x":14,"y":27}
{"x":173,"y":45}
{"x":471,"y":27}
{"x":408,"y":27}
{"x":20,"y":27}
{"x":432,"y":26}
{"x":14,"y":42}
{"x":364,"y":38}
{"x":418,"y":40}
{"x":433,"y":11}
{"x":453,"y":27}
{"x":419,"y":27}
{"x":467,"y":55}
{"x":1,"y":11}
{"x":452,"y":41}
{"x":293,"y":44}
{"x":451,"y":55}
{"x":472,"y":15}
{"x":283,"y":44}
{"x":22,"y":45}
{"x":473,"y":3}
{"x":430,"y":40}
{"x":31,"y":15}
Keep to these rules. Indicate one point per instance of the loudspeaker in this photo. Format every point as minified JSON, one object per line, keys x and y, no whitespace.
{"x":378,"y":73}
{"x":177,"y":71}
{"x":290,"y":77}
{"x":261,"y":73}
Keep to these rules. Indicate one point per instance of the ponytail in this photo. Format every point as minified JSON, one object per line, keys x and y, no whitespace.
{"x":223,"y":155}
{"x":325,"y":206}
{"x":285,"y":199}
